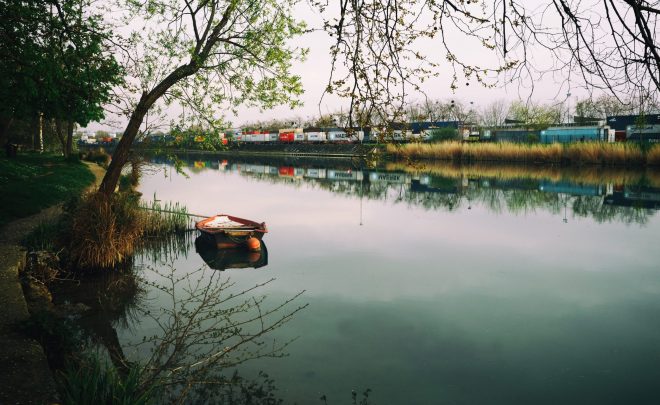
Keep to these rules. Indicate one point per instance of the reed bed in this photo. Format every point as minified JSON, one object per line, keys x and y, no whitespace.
{"x":582,"y":174}
{"x":165,"y":218}
{"x":609,"y":154}
{"x":600,"y":153}
{"x":104,"y":232}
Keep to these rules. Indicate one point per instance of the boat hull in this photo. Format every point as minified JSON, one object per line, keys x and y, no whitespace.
{"x":230,"y":238}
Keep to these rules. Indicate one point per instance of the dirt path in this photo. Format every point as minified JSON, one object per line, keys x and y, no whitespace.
{"x":25,"y":377}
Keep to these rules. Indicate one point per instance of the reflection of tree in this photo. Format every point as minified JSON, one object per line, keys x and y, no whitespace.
{"x":203,"y":329}
{"x":592,"y":207}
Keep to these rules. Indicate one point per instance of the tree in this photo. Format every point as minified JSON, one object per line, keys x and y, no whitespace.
{"x":495,"y":113}
{"x":535,"y":115}
{"x":55,"y":65}
{"x":203,"y":55}
{"x":85,"y":70}
{"x":611,"y":45}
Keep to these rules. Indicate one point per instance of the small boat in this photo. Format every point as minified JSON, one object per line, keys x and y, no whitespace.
{"x":223,"y":259}
{"x":230,"y":232}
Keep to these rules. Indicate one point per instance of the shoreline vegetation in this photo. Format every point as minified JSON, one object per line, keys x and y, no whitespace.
{"x":569,"y":155}
{"x":587,"y":174}
{"x":574,"y":154}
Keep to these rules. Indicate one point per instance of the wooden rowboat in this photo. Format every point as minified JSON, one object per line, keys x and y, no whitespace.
{"x":230,"y":232}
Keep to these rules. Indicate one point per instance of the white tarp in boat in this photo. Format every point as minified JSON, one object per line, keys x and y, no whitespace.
{"x":223,"y":221}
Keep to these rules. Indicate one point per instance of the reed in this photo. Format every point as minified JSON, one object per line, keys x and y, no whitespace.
{"x":607,"y":154}
{"x":104,"y":232}
{"x":92,"y":381}
{"x":653,"y":156}
{"x":165,"y":218}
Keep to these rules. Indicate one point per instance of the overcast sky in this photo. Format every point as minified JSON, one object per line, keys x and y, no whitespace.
{"x":315,"y":72}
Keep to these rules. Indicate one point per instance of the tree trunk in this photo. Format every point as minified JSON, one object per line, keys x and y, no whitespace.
{"x":5,"y":123}
{"x":60,"y":136}
{"x":69,"y":139}
{"x":120,"y":155}
{"x":41,"y":132}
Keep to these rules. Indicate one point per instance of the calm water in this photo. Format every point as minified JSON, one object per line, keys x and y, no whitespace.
{"x":443,"y":285}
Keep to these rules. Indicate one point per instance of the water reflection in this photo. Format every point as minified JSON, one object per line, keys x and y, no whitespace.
{"x":606,"y":195}
{"x":238,"y":258}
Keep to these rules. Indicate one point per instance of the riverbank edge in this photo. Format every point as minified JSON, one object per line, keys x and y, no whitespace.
{"x":385,"y":153}
{"x":363,"y":151}
{"x":25,"y":377}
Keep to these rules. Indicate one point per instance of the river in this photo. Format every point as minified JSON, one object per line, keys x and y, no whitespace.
{"x":437,"y":284}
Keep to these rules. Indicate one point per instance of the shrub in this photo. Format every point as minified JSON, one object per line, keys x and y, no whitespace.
{"x":444,"y":135}
{"x":99,"y":156}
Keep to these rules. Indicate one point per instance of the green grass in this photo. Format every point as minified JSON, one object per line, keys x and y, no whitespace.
{"x":32,"y":182}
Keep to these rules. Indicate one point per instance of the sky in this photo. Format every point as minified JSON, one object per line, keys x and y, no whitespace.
{"x":315,"y":70}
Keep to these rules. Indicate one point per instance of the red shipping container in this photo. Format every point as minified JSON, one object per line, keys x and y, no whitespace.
{"x":286,"y":137}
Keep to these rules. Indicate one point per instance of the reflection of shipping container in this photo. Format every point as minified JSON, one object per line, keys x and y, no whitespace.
{"x":286,"y":171}
{"x":565,"y":187}
{"x":273,"y":170}
{"x":354,"y":175}
{"x":298,"y":172}
{"x":396,"y":178}
{"x":315,"y":173}
{"x":258,"y":169}
{"x":640,"y":197}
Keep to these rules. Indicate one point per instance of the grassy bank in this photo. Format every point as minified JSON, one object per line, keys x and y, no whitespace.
{"x":593,"y":153}
{"x":32,"y":182}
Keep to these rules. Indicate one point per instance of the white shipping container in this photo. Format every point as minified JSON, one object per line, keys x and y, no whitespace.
{"x":316,"y":136}
{"x":298,"y":137}
{"x":337,"y":136}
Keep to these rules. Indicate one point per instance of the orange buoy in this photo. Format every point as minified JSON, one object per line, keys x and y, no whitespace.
{"x":253,"y":244}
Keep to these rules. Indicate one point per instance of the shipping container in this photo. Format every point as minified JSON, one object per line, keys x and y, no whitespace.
{"x":643,"y":133}
{"x":316,"y":136}
{"x":575,"y":134}
{"x":622,"y":122}
{"x":515,"y":135}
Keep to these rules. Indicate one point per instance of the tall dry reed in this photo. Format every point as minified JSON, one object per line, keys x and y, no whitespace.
{"x":653,"y":156}
{"x":104,"y":231}
{"x":608,"y":154}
